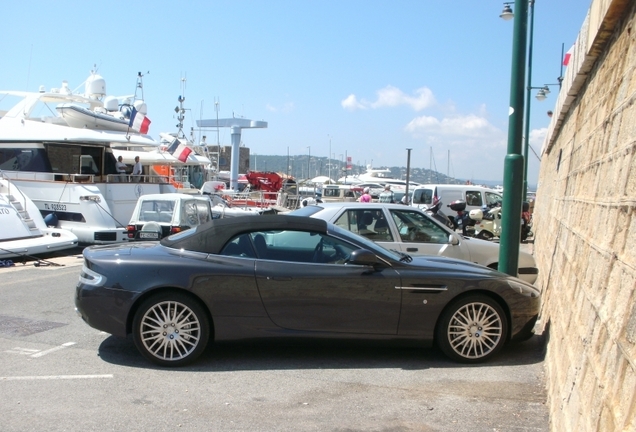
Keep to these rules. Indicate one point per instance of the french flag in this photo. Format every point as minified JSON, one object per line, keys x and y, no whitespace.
{"x":139,"y":122}
{"x":568,"y":55}
{"x":179,"y":150}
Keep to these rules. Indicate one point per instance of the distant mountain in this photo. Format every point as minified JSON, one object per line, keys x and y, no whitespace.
{"x":298,"y":167}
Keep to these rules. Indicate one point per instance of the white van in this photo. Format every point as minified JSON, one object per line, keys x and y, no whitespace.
{"x":475,"y":196}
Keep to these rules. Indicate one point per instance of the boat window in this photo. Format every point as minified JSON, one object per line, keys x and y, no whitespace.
{"x":24,"y":159}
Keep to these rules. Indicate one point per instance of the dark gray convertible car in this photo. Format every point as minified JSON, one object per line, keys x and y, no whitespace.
{"x":267,"y":277}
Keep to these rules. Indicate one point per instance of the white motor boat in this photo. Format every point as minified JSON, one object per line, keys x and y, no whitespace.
{"x":81,"y":117}
{"x":23,"y":231}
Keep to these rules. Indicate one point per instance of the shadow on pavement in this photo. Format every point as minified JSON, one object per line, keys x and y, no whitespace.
{"x":323,"y":355}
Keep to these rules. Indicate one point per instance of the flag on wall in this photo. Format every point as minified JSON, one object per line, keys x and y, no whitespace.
{"x":139,"y":122}
{"x":568,"y":55}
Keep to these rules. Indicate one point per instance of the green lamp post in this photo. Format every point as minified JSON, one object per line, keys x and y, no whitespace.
{"x":514,"y":160}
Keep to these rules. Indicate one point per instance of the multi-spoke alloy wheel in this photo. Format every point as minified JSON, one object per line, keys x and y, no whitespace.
{"x":171,"y":329}
{"x":472,"y":329}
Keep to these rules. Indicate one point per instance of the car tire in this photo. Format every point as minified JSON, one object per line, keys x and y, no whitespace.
{"x":171,"y":329}
{"x":472,"y":329}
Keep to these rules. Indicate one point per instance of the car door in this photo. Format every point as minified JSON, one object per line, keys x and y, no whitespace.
{"x":420,"y":235}
{"x":306,"y":285}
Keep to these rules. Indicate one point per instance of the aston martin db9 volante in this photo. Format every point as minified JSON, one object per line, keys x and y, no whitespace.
{"x":267,"y":277}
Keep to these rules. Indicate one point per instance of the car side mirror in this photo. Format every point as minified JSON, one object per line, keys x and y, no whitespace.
{"x":363,"y":257}
{"x":453,"y":240}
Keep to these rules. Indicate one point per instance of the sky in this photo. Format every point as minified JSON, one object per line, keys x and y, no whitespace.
{"x":367,"y":79}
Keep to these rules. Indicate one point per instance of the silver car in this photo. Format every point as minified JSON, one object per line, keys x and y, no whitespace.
{"x":410,"y":230}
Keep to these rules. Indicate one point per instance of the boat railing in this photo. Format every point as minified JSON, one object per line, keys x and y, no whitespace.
{"x":129,"y":178}
{"x":12,"y":189}
{"x":263,"y":199}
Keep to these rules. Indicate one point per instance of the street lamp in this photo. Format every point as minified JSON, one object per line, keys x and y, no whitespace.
{"x":308,"y":161}
{"x":507,"y":13}
{"x":544,"y":91}
{"x":514,"y":161}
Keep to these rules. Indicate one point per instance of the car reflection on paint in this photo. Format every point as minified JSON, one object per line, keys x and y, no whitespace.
{"x":281,"y":277}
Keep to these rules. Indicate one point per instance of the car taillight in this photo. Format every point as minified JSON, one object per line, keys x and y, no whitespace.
{"x":175,"y":229}
{"x":131,"y":231}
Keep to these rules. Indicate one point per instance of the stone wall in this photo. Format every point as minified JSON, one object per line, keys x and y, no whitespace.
{"x":585,"y":229}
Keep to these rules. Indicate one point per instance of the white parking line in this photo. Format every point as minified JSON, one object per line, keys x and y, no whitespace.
{"x":55,"y":377}
{"x":57,"y":348}
{"x":23,"y":351}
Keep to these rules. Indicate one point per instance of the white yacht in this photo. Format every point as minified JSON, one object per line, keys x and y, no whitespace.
{"x":380,"y":176}
{"x":70,"y":170}
{"x":23,"y":231}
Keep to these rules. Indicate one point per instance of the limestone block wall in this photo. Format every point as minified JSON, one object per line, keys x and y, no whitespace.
{"x":585,"y":229}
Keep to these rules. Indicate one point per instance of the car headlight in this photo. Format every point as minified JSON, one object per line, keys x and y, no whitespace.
{"x":523,"y":288}
{"x":89,"y":277}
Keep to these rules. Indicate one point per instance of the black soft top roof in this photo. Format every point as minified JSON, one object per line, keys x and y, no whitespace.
{"x":212,"y":236}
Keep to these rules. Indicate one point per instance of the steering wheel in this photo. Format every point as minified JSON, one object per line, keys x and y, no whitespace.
{"x":318,"y":256}
{"x":341,"y":255}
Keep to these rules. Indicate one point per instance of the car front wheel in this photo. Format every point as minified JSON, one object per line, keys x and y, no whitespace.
{"x":472,"y":329}
{"x":171,"y":329}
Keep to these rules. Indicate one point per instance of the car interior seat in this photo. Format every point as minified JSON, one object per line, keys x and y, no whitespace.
{"x":261,"y":246}
{"x":246,"y":246}
{"x":232,"y":249}
{"x":382,"y":228}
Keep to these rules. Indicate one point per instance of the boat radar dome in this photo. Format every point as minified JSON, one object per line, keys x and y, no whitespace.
{"x":95,"y":87}
{"x":111,"y":103}
{"x":141,"y":107}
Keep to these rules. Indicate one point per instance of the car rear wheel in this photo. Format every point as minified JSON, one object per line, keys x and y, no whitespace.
{"x":472,"y":329}
{"x":171,"y":329}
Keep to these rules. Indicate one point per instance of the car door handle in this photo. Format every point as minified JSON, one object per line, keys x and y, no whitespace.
{"x":408,"y":249}
{"x":279,"y":278}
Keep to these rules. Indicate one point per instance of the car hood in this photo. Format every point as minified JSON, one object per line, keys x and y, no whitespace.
{"x":488,"y":252}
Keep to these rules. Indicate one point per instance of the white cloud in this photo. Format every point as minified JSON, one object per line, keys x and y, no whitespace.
{"x":285,"y":108}
{"x":392,"y":97}
{"x":351,"y":103}
{"x":470,"y":126}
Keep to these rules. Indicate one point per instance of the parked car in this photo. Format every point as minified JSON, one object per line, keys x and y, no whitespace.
{"x":159,"y":215}
{"x":412,"y":231}
{"x":295,"y":278}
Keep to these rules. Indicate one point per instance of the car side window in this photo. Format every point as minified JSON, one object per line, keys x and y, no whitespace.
{"x":416,"y":227}
{"x":239,"y":246}
{"x":292,"y":246}
{"x":189,"y":215}
{"x":369,"y":223}
{"x":493,"y":199}
{"x":473,"y":198}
